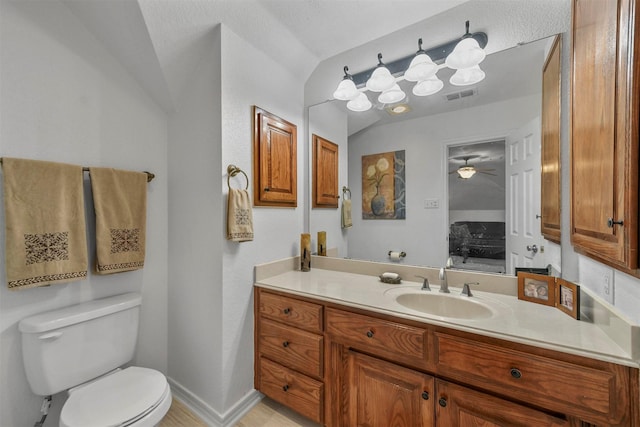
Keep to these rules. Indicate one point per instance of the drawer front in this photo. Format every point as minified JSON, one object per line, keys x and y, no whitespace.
{"x":294,"y":390}
{"x":294,"y":312}
{"x":391,"y":340}
{"x":537,"y":380}
{"x":292,"y":347}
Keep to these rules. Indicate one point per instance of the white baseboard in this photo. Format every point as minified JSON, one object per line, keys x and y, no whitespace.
{"x":209,"y":415}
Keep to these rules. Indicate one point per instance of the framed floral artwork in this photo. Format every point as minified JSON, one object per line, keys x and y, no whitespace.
{"x":383,"y":185}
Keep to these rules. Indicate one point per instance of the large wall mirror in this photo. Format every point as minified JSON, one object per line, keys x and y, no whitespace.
{"x":487,"y":222}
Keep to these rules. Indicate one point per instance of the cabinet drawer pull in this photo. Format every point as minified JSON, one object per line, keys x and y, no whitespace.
{"x":285,"y":387}
{"x":285,"y":344}
{"x":515,"y":373}
{"x":286,"y":310}
{"x":442,"y":402}
{"x":425,"y":395}
{"x":370,"y":334}
{"x":611,"y":222}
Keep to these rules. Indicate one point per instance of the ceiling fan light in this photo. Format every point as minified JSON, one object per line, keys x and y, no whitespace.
{"x":421,"y":68}
{"x":466,"y":172}
{"x":346,"y":90}
{"x":392,"y":95}
{"x":428,"y":87}
{"x":466,"y":54}
{"x":359,"y":103}
{"x":467,"y":76}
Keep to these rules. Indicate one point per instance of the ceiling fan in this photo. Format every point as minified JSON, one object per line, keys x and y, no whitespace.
{"x":466,"y":171}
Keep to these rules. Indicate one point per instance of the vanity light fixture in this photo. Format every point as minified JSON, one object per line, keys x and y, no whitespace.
{"x":463,"y":55}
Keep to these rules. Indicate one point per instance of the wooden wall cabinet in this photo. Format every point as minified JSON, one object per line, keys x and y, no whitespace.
{"x":550,"y":182}
{"x":605,"y":94}
{"x":275,"y":160}
{"x":325,"y":173}
{"x":342,"y":366}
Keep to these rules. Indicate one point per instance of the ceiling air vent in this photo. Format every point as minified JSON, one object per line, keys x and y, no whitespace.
{"x":459,"y":95}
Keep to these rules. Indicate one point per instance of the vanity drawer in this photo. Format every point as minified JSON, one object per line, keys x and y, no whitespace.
{"x":295,"y":348}
{"x":294,"y":390}
{"x":391,"y":340}
{"x":292,"y":311}
{"x":587,"y":391}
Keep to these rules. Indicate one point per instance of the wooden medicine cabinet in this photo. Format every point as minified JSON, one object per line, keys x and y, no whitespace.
{"x":325,"y":173}
{"x":274,"y":160}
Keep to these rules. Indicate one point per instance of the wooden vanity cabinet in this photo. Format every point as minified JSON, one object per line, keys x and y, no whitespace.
{"x":289,"y":362}
{"x":380,"y":370}
{"x":605,"y":107}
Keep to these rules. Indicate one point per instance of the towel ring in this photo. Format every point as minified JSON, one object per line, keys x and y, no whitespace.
{"x":345,"y":190}
{"x":233,"y":170}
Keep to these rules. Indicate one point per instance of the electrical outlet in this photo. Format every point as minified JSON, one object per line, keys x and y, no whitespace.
{"x":431,"y":203}
{"x":607,"y":286}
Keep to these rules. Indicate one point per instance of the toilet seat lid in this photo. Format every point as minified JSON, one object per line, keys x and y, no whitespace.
{"x":115,"y":399}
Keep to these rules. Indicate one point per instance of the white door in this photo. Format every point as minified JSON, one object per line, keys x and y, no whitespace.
{"x":522,"y":225}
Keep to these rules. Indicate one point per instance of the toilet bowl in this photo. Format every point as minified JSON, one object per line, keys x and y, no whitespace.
{"x":81,"y":349}
{"x":135,"y":397}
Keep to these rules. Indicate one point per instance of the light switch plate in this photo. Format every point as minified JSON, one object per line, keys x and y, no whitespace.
{"x":431,"y":203}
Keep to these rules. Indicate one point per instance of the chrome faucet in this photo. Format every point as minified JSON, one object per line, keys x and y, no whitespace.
{"x":425,"y":283}
{"x":466,"y":290}
{"x":444,"y":285}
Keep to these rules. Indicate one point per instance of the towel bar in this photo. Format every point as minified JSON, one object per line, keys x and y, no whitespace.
{"x":345,"y":190}
{"x":233,"y":170}
{"x":150,"y":175}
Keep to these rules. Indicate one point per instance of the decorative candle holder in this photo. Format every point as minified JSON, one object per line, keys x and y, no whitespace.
{"x":322,"y":243}
{"x":305,"y":252}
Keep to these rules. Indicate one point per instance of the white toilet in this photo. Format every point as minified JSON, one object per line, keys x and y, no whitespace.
{"x":80,"y":348}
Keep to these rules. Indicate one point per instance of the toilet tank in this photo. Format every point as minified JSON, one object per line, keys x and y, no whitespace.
{"x":69,"y":346}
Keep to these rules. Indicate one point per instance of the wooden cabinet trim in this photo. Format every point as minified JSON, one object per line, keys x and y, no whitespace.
{"x":275,"y":160}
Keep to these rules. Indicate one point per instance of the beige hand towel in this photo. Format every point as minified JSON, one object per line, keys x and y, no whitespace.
{"x":46,"y":239}
{"x":346,"y":213}
{"x":239,"y":216}
{"x":120,"y":201}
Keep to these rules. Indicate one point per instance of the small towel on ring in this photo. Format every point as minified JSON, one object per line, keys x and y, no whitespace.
{"x":120,"y":202}
{"x":346,"y":213}
{"x":46,"y":237}
{"x":239,"y":216}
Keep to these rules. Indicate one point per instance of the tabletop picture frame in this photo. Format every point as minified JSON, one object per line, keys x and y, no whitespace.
{"x":568,"y":298}
{"x":537,"y":288}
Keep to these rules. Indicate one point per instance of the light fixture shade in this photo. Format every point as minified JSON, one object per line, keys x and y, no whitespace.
{"x":428,"y":87}
{"x":346,"y":90}
{"x":359,"y":103}
{"x":466,"y":172}
{"x":466,"y":54}
{"x":380,"y":80}
{"x":421,"y":68}
{"x":467,"y":76}
{"x":392,"y":95}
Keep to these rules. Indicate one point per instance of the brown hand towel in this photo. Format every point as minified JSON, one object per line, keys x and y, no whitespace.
{"x":239,"y":216}
{"x":46,"y":239}
{"x":120,"y":201}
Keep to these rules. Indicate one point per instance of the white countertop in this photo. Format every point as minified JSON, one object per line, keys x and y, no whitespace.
{"x":514,"y":320}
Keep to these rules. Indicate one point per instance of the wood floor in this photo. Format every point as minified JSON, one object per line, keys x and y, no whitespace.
{"x":267,"y":413}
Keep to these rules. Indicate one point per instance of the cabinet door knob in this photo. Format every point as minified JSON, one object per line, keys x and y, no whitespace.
{"x":515,"y":373}
{"x":442,"y":402}
{"x":425,"y":395}
{"x":286,"y":310}
{"x":285,"y":387}
{"x":611,"y":222}
{"x":285,"y":344}
{"x":267,"y":189}
{"x":370,"y":334}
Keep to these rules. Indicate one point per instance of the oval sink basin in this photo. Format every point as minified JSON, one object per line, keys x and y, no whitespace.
{"x":445,"y":305}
